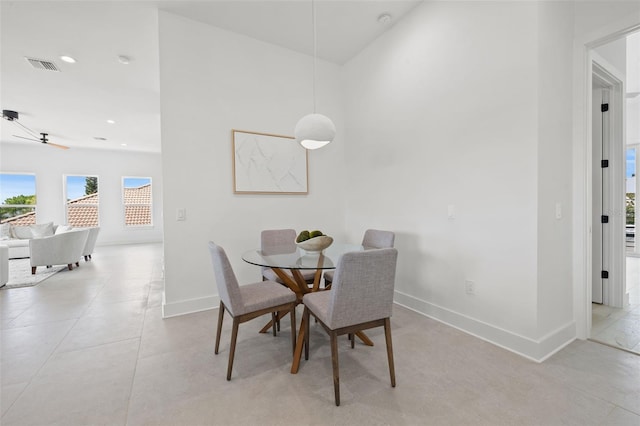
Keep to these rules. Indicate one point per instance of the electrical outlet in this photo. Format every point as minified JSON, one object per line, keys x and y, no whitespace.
{"x":181,"y":214}
{"x":470,"y":287}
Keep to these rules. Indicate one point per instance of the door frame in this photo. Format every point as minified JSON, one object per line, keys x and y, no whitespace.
{"x":582,"y":168}
{"x":609,"y":78}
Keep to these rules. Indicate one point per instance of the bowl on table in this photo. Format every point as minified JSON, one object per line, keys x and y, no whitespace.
{"x":316,"y":244}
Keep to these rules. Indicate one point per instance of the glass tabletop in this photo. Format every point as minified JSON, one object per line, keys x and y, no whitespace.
{"x":292,"y":257}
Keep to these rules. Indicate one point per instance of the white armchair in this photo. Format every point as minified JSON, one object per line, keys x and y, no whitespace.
{"x":60,"y":249}
{"x":91,"y":243}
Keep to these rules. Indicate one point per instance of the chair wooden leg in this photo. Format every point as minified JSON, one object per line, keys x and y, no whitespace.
{"x":387,"y":337}
{"x":334,"y":362}
{"x":220,"y":318}
{"x":33,"y":270}
{"x":306,"y":333}
{"x":352,"y":337}
{"x":232,"y":348}
{"x":293,"y":328}
{"x":274,"y":322}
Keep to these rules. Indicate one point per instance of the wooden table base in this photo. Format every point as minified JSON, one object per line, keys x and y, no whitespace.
{"x":298,"y":285}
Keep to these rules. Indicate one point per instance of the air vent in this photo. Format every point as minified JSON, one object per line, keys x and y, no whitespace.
{"x":42,"y":64}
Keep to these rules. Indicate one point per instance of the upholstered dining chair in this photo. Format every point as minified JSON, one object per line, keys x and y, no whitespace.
{"x":280,"y":239}
{"x":247,"y":302}
{"x":361,"y":298}
{"x":373,"y":238}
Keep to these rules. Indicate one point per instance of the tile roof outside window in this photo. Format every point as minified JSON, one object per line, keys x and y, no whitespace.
{"x":81,"y":215}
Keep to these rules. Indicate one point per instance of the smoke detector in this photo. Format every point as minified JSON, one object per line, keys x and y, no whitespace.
{"x":384,"y":19}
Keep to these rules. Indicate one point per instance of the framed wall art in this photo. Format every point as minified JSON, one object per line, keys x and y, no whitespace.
{"x":264,"y":163}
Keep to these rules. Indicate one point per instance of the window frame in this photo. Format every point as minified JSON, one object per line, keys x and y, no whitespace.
{"x":34,"y":207}
{"x":66,"y":197}
{"x":125,"y":204}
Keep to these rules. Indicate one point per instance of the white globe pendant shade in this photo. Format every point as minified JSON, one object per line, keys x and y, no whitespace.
{"x":314,"y":131}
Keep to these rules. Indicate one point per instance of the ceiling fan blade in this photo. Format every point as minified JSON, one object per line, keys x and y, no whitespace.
{"x":56,"y":145}
{"x":46,"y":142}
{"x":26,"y":129}
{"x":29,"y":139}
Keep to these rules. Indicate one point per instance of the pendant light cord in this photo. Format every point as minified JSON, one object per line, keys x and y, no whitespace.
{"x":315,"y":52}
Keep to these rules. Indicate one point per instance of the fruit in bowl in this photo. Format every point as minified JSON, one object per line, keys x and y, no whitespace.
{"x":313,"y":241}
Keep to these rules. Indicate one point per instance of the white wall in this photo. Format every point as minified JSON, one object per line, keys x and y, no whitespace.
{"x":50,"y":165}
{"x":213,"y":81}
{"x":442,"y":110}
{"x":555,"y":289}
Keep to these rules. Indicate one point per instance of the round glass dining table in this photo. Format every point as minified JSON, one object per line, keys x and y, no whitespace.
{"x":295,"y":259}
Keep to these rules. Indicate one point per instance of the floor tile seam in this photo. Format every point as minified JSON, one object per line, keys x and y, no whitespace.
{"x":21,"y":313}
{"x":34,"y":375}
{"x":637,"y":413}
{"x":39,"y":324}
{"x":135,"y":368}
{"x":589,"y":393}
{"x":611,"y":345}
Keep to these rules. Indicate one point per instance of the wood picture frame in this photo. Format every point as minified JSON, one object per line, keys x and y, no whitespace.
{"x":264,"y":163}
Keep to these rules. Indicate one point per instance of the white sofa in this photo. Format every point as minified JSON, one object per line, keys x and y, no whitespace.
{"x":59,"y":249}
{"x":4,"y":265}
{"x":91,"y":242}
{"x":16,"y":238}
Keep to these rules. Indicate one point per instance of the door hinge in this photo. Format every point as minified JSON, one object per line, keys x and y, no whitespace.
{"x":604,"y":107}
{"x":604,"y":219}
{"x":604,"y":164}
{"x":604,"y":274}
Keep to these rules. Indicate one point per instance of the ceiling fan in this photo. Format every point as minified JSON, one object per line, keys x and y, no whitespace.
{"x":13,"y":117}
{"x":43,"y":139}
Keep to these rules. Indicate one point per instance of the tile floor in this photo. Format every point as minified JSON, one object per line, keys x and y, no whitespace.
{"x":620,"y":326}
{"x":89,"y":347}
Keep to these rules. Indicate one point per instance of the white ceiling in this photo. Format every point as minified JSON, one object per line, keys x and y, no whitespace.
{"x":73,"y":105}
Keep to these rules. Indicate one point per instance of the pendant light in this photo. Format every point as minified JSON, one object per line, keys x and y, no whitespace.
{"x":315,"y":130}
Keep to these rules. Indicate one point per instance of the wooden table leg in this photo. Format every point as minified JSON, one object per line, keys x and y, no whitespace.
{"x":299,"y":345}
{"x":365,"y":339}
{"x":270,"y":323}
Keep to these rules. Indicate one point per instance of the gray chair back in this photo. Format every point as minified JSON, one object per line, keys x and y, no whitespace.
{"x":284,"y":239}
{"x":363,"y":286}
{"x":374,"y":238}
{"x":228,"y":288}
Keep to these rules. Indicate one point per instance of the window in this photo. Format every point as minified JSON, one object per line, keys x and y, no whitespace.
{"x":18,"y":197}
{"x":136,"y":199}
{"x":82,"y":201}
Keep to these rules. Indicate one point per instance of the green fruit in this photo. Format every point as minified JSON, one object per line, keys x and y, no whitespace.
{"x":314,"y":234}
{"x":303,"y":236}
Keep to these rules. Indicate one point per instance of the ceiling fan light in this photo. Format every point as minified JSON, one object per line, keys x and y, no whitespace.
{"x":314,"y":131}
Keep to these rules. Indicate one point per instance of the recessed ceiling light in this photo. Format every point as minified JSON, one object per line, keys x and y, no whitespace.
{"x":68,"y":59}
{"x":384,"y":19}
{"x":123,"y":144}
{"x":99,"y":138}
{"x":111,"y":122}
{"x":123,"y":59}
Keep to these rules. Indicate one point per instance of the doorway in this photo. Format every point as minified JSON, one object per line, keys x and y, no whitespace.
{"x":615,"y":318}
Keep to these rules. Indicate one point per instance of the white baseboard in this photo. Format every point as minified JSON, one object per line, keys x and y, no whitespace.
{"x":189,"y":306}
{"x":535,"y":350}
